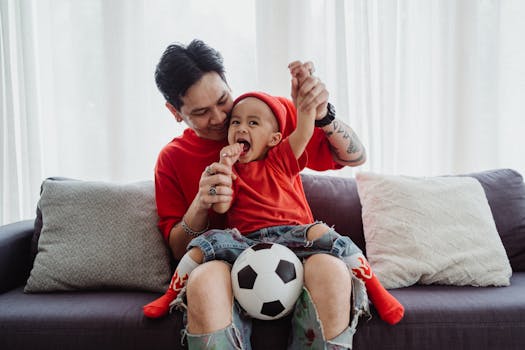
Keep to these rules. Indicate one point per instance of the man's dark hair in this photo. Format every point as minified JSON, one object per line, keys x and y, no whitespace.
{"x":182,"y":66}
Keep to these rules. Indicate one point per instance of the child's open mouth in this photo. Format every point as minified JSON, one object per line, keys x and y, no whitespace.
{"x":245,"y":145}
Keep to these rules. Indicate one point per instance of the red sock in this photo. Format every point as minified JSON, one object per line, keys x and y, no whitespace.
{"x":390,"y":310}
{"x":161,"y":306}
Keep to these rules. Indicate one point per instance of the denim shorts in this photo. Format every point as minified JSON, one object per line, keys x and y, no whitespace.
{"x":227,"y":245}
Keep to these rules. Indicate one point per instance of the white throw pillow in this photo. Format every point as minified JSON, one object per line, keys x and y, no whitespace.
{"x":430,"y":230}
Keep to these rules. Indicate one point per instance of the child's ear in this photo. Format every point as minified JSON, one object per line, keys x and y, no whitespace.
{"x":276,"y":138}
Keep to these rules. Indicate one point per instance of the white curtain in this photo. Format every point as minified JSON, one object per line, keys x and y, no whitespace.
{"x":431,"y":86}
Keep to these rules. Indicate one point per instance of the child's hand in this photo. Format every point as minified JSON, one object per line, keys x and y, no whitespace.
{"x":299,"y":72}
{"x":230,"y":154}
{"x":308,"y":91}
{"x":305,"y":100}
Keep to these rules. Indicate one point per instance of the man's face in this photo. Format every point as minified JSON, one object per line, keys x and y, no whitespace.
{"x":206,"y":106}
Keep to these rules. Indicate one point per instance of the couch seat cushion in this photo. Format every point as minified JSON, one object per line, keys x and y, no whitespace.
{"x":451,"y":317}
{"x":87,"y":320}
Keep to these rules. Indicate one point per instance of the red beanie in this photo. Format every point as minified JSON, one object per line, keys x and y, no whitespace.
{"x":282,"y":108}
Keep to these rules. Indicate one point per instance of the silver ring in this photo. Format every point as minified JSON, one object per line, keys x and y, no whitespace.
{"x":209,"y":172}
{"x":212,"y":191}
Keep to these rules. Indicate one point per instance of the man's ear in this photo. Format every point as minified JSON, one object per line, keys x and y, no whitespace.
{"x":276,"y":138}
{"x":174,"y":111}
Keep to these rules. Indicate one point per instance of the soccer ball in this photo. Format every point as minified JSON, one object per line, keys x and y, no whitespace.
{"x":267,"y":279}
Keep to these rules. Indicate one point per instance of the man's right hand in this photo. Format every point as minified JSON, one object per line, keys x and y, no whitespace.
{"x":215,"y":185}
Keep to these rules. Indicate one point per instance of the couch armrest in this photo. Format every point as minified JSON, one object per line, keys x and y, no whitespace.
{"x":15,"y":254}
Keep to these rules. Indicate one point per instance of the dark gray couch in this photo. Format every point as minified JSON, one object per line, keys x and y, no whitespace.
{"x":436,"y":317}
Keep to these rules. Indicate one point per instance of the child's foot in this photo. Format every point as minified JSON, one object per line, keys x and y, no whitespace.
{"x":161,"y":306}
{"x":390,"y":310}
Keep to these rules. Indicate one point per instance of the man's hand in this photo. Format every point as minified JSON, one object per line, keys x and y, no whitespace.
{"x":312,"y":89}
{"x":215,"y":185}
{"x":346,"y":148}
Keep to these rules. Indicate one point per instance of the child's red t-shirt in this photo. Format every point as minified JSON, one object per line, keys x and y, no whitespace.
{"x":268,"y":192}
{"x":181,"y":163}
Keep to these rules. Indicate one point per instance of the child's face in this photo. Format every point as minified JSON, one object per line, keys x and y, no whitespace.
{"x":253,"y":125}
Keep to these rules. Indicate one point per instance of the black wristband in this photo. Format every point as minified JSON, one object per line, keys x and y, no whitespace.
{"x":328,"y":118}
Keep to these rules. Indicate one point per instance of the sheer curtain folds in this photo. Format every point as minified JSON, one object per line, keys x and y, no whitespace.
{"x":431,"y":86}
{"x":20,"y":152}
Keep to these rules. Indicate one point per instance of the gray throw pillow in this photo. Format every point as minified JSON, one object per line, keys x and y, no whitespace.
{"x":99,"y":235}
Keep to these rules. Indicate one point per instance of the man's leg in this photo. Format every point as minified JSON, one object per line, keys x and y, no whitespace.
{"x":322,"y":314}
{"x":388,"y":307}
{"x":210,"y":304}
{"x":330,"y":292}
{"x":209,"y":296}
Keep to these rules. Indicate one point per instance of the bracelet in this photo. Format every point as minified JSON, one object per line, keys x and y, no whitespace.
{"x":192,"y":233}
{"x":328,"y":118}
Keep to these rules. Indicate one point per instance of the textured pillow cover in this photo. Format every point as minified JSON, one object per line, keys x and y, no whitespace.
{"x":99,"y":235}
{"x":436,"y":230}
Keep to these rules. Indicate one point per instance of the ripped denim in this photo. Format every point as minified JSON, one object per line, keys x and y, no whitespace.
{"x":235,"y":336}
{"x":307,"y":330}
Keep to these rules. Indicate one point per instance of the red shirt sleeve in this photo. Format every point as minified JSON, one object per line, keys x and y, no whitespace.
{"x":282,"y":159}
{"x":319,"y":153}
{"x":318,"y":149}
{"x":169,"y":196}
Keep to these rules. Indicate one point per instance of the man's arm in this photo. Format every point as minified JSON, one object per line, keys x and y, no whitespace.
{"x":345,"y":146}
{"x":195,"y":219}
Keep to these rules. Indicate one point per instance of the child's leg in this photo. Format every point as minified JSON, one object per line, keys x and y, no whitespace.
{"x":389,"y":309}
{"x":187,"y":264}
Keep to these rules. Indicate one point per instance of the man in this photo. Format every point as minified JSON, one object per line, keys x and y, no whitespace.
{"x":193,"y":82}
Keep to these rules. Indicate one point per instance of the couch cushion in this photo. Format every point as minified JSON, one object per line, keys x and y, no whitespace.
{"x":451,"y":317}
{"x":99,"y":235}
{"x":431,"y":230}
{"x":436,"y":317}
{"x":84,"y":320}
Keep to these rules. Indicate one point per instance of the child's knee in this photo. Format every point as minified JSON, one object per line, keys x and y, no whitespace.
{"x":196,"y":255}
{"x":317,"y":231}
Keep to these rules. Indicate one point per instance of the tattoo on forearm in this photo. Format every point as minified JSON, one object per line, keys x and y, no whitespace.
{"x":340,"y":129}
{"x":353,"y":147}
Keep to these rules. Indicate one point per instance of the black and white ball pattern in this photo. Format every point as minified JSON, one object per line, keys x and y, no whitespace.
{"x":267,"y":279}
